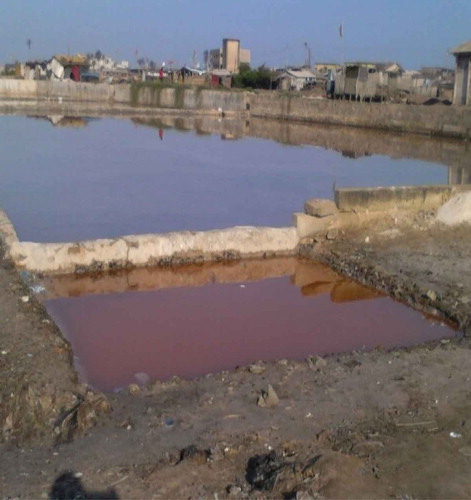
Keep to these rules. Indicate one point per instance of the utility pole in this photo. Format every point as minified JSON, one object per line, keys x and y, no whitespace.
{"x":308,"y":55}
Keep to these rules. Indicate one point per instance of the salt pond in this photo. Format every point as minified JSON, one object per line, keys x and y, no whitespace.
{"x":103,"y":178}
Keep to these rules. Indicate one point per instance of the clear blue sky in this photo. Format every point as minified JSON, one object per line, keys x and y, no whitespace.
{"x":413,"y":32}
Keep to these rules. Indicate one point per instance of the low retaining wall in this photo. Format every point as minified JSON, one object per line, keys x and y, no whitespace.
{"x":450,"y":121}
{"x":353,"y":206}
{"x":440,"y":120}
{"x":382,"y":199}
{"x":147,"y":96}
{"x":153,"y":249}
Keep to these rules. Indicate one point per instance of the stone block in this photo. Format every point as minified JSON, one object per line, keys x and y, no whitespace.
{"x":318,"y":207}
{"x":306,"y":225}
{"x":385,"y":198}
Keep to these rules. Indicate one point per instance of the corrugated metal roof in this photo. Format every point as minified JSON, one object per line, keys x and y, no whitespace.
{"x":303,"y":73}
{"x":67,"y":60}
{"x":463,"y":48}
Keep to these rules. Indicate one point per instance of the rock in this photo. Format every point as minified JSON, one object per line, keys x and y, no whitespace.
{"x":233,"y":491}
{"x":268,"y":398}
{"x":194,"y":454}
{"x":320,"y":208}
{"x":465,"y":299}
{"x":456,"y":210}
{"x":316,"y":363}
{"x":134,"y":389}
{"x":466,"y":451}
{"x":257,"y":369}
{"x":431,"y":295}
{"x":332,"y":234}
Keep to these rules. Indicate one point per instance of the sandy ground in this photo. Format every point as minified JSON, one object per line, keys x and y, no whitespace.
{"x":360,"y":425}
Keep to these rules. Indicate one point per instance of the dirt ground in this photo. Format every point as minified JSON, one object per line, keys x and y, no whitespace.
{"x":361,"y":425}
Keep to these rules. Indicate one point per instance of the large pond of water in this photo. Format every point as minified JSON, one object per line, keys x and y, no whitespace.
{"x":131,"y":327}
{"x":108,"y":177}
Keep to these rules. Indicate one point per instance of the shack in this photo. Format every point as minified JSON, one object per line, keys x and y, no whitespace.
{"x":63,"y":67}
{"x":295,"y":79}
{"x":364,"y":80}
{"x":220,"y":78}
{"x":34,"y":70}
{"x":462,"y":89}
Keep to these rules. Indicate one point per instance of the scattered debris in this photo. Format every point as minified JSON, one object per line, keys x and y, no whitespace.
{"x":268,"y":398}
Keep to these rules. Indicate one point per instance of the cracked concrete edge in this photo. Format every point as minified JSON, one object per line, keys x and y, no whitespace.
{"x":7,"y":231}
{"x":154,"y":249}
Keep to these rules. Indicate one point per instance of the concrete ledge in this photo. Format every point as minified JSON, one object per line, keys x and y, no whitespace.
{"x":7,"y":230}
{"x":380,"y":199}
{"x":154,"y":249}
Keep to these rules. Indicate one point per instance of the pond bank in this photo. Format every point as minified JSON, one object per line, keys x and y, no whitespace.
{"x":332,"y":432}
{"x":437,"y":120}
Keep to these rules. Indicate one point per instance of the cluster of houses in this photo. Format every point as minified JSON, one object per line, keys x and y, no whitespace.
{"x":367,"y":81}
{"x":362,"y":81}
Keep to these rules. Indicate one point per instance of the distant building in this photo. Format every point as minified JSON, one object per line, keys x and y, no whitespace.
{"x":67,"y":67}
{"x":295,"y":79}
{"x":365,"y":80}
{"x":229,"y":57}
{"x":462,"y":90}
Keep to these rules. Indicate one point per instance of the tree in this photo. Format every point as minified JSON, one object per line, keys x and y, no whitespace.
{"x":99,"y":55}
{"x":260,"y":78}
{"x":28,"y":43}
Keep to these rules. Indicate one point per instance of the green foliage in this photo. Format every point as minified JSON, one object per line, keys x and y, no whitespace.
{"x":260,"y":78}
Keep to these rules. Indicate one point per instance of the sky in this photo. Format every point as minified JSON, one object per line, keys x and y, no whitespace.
{"x":414,"y":33}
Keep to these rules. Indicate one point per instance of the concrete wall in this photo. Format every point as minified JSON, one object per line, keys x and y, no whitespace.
{"x":153,"y":249}
{"x":434,"y":120}
{"x":383,"y":199}
{"x":136,"y":96}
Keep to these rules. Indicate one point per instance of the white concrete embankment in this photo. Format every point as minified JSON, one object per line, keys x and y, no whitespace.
{"x":154,"y":249}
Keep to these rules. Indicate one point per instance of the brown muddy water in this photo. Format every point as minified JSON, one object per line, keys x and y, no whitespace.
{"x":157,"y":323}
{"x":69,"y":179}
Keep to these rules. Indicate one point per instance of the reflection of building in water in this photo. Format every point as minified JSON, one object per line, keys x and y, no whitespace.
{"x":459,"y":175}
{"x":68,"y":121}
{"x":311,"y":278}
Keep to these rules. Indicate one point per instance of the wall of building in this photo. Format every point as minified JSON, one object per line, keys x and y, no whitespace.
{"x":462,"y":93}
{"x":230,"y":55}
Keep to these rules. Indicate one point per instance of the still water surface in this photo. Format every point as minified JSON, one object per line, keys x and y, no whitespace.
{"x":198,"y":321}
{"x":114,"y":177}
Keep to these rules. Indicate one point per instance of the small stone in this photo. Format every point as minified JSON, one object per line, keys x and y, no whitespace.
{"x":316,"y":363}
{"x":134,"y":389}
{"x":465,"y":299}
{"x":268,"y":398}
{"x":320,"y":208}
{"x":194,"y":454}
{"x":233,"y":490}
{"x":431,"y":295}
{"x":25,"y":299}
{"x":257,"y":369}
{"x":466,"y":451}
{"x":367,"y":239}
{"x":332,"y":234}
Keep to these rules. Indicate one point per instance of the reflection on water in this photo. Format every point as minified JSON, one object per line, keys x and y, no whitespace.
{"x":201,"y":319}
{"x":116,"y":177}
